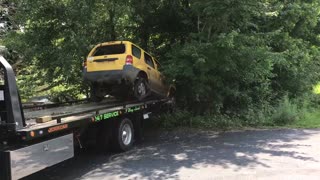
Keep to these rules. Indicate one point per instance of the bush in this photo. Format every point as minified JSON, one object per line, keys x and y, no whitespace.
{"x":219,"y":122}
{"x":183,"y":118}
{"x":179,"y":118}
{"x":286,"y":112}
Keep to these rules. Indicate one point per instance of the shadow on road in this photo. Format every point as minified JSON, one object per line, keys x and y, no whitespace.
{"x":162,"y":155}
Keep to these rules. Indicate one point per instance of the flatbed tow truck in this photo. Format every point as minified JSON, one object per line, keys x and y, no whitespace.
{"x":28,"y":145}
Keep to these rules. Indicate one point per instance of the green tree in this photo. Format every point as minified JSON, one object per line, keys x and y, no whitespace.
{"x":246,"y":54}
{"x":56,"y":43}
{"x":227,"y":56}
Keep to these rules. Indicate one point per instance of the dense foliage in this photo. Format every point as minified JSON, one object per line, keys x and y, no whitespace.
{"x":231,"y":57}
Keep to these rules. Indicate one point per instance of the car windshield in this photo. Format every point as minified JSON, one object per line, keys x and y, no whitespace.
{"x":110,"y":49}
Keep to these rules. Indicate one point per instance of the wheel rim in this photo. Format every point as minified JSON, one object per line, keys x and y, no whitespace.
{"x":142,"y":89}
{"x":126,"y":134}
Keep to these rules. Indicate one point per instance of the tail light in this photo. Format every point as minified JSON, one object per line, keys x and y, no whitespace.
{"x":129,"y":60}
{"x":84,"y":64}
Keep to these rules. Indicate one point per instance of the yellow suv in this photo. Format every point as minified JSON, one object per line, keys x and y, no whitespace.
{"x":121,"y":68}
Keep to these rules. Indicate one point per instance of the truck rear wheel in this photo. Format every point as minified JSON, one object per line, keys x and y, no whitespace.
{"x":123,"y":135}
{"x":104,"y":136}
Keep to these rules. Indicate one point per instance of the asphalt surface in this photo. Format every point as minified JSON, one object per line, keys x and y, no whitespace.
{"x":255,"y":154}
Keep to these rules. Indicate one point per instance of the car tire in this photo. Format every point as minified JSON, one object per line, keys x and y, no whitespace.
{"x":123,"y":93}
{"x":123,"y":135}
{"x":95,"y":93}
{"x":140,"y":88}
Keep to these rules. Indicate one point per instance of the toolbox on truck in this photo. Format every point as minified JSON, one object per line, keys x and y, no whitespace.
{"x":30,"y":159}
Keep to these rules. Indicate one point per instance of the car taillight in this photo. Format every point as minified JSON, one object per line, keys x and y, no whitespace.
{"x":129,"y":60}
{"x":84,"y":64}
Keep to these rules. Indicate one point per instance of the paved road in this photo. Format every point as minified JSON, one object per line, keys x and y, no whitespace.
{"x":256,"y":154}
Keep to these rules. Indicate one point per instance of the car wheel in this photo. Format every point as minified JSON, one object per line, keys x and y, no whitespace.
{"x":95,"y":93}
{"x":123,"y":93}
{"x":140,"y":89}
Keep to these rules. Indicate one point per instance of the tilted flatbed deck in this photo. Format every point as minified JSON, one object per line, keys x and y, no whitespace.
{"x":31,"y":113}
{"x":76,"y":115}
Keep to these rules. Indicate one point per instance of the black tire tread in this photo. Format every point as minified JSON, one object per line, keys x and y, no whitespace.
{"x":116,"y":142}
{"x":139,"y":79}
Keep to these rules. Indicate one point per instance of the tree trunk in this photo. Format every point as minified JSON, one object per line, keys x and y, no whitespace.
{"x":113,"y":34}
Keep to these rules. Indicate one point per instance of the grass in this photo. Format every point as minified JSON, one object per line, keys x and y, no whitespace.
{"x":288,"y":113}
{"x":311,"y":120}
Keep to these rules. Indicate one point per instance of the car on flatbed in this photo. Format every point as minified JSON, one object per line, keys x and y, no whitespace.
{"x":123,"y":69}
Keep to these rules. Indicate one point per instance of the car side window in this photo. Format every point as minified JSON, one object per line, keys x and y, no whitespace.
{"x":148,"y":60}
{"x":158,"y":65}
{"x":136,"y":52}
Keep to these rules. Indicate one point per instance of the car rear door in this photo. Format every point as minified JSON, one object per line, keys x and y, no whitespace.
{"x":151,"y":71}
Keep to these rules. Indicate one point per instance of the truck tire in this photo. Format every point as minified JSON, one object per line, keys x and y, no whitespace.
{"x":104,"y":137}
{"x":123,"y":135}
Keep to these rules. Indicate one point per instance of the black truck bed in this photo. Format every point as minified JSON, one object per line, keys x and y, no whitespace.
{"x":31,"y":114}
{"x":74,"y":115}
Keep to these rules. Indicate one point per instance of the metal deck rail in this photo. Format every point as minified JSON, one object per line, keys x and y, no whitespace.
{"x":11,"y":110}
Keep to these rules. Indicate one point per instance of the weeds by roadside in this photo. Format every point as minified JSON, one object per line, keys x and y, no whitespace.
{"x":286,"y":112}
